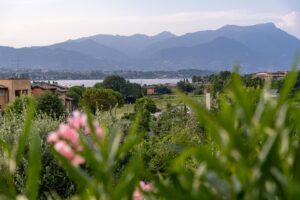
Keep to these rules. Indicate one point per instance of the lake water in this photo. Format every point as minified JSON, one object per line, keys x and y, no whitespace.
{"x":89,"y":83}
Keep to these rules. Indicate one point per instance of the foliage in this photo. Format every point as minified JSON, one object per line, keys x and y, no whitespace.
{"x":130,"y":91}
{"x":133,"y":92}
{"x":197,"y":79}
{"x":102,"y":99}
{"x":172,"y":131}
{"x":185,"y":86}
{"x":145,"y":104}
{"x":75,"y":93}
{"x":114,"y":82}
{"x":18,"y":106}
{"x":249,"y":81}
{"x":249,"y":150}
{"x":51,"y":105}
{"x":145,"y":107}
{"x":162,"y":89}
{"x":53,"y":180}
{"x":216,"y":83}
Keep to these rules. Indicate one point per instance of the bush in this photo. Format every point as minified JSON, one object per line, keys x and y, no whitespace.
{"x":145,"y":104}
{"x":18,"y":106}
{"x":51,"y":105}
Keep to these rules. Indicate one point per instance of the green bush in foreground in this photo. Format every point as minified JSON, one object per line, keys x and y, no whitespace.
{"x":251,"y":152}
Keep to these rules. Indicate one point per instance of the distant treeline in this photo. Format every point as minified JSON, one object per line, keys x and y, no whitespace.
{"x":39,"y":74}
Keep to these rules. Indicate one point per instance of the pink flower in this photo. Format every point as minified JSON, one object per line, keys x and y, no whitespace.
{"x":66,"y":139}
{"x":52,"y":138}
{"x":70,"y":135}
{"x":64,"y":149}
{"x":146,"y":187}
{"x":137,"y":195}
{"x":98,"y":129}
{"x":78,"y":160}
{"x":83,"y":120}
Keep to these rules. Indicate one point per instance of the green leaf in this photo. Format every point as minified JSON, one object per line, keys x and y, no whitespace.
{"x":34,"y":168}
{"x":83,"y":180}
{"x":129,"y":179}
{"x":26,"y":131}
{"x":133,"y":137}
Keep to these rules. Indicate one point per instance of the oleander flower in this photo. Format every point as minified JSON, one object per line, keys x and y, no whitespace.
{"x":66,"y":138}
{"x":146,"y":187}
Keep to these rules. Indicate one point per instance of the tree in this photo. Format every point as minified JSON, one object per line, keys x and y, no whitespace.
{"x":197,"y":79}
{"x":75,"y":93}
{"x":145,"y":104}
{"x":133,"y":92}
{"x":218,"y":82}
{"x":51,"y":105}
{"x":161,"y":89}
{"x":249,"y":81}
{"x":130,"y":91}
{"x":102,"y":99}
{"x":116,"y":83}
{"x":185,"y":86}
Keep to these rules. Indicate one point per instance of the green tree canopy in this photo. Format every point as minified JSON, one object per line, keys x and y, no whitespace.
{"x":102,"y":99}
{"x":116,"y":83}
{"x":130,"y":91}
{"x":75,"y":93}
{"x":161,"y":89}
{"x":145,"y":104}
{"x":51,"y":105}
{"x":185,"y":86}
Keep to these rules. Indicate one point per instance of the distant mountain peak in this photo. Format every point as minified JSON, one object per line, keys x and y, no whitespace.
{"x":269,"y":25}
{"x":165,"y":34}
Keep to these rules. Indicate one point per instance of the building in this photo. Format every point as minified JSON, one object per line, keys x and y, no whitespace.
{"x":265,"y":75}
{"x":150,"y":90}
{"x":171,"y":86}
{"x":12,"y":88}
{"x":39,"y":88}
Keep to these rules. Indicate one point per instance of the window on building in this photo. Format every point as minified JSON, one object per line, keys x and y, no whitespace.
{"x":25,"y":92}
{"x":18,"y":93}
{"x":2,"y":92}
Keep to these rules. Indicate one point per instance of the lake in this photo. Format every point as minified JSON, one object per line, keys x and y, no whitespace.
{"x":89,"y":83}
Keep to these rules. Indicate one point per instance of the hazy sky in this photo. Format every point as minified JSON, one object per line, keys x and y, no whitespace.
{"x":40,"y":22}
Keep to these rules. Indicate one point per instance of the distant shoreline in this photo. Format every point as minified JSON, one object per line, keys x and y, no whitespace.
{"x":90,"y":83}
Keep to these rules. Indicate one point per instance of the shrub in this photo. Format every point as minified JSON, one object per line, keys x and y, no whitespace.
{"x":51,"y":105}
{"x":145,"y":104}
{"x":18,"y":106}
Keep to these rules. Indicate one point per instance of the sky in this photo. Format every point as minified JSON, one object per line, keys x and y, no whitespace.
{"x":41,"y":22}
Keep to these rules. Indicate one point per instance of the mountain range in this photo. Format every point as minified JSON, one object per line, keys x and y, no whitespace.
{"x":256,"y":48}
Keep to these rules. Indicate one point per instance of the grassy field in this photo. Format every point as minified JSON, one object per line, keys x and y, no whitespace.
{"x":161,"y":102}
